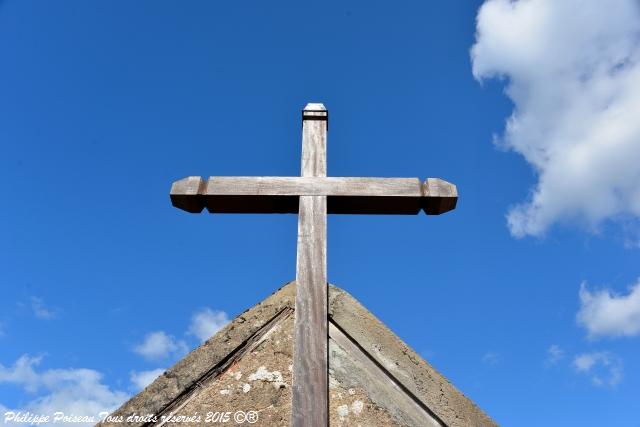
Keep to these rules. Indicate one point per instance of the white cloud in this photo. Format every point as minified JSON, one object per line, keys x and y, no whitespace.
{"x":573,"y":73}
{"x":40,"y":311}
{"x":77,"y":392}
{"x":604,"y":313}
{"x":491,"y":358}
{"x":207,"y":322}
{"x":159,"y":345}
{"x":584,"y":362}
{"x":554,"y":354}
{"x":604,"y":368}
{"x":143,"y":378}
{"x":22,"y":373}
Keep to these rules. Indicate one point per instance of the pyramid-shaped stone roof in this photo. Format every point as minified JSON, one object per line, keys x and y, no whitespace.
{"x":375,"y":379}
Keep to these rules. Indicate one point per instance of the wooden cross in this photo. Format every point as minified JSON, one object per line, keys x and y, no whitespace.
{"x":312,"y":196}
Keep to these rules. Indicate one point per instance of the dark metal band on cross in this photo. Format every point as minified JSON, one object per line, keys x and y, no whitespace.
{"x":312,"y":196}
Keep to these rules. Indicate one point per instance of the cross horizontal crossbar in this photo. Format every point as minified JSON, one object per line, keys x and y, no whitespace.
{"x":345,"y":195}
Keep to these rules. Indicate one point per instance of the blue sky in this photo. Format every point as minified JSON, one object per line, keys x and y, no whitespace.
{"x":526,"y":296}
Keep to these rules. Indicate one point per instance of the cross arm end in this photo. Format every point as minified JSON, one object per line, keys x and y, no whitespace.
{"x":188,"y":194}
{"x":439,"y":196}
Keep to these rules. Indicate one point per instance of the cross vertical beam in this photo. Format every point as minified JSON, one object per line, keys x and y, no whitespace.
{"x":310,"y":366}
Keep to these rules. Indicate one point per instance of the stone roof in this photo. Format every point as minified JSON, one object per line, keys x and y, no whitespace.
{"x":375,"y":379}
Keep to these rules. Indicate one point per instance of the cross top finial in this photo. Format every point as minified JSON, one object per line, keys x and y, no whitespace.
{"x":315,"y":106}
{"x":315,"y":111}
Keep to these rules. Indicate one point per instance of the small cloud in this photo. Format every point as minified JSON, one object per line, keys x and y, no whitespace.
{"x":604,"y":313}
{"x":207,"y":322}
{"x":22,"y":373}
{"x":159,"y":345}
{"x":491,"y":358}
{"x":554,"y":354}
{"x":584,"y":362}
{"x":143,"y":378}
{"x":604,"y":368}
{"x":40,"y":311}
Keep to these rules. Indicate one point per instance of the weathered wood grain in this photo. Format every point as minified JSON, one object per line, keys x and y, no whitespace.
{"x":310,"y":366}
{"x":310,"y":390}
{"x":312,"y":186}
{"x":315,"y":120}
{"x":346,"y":195}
